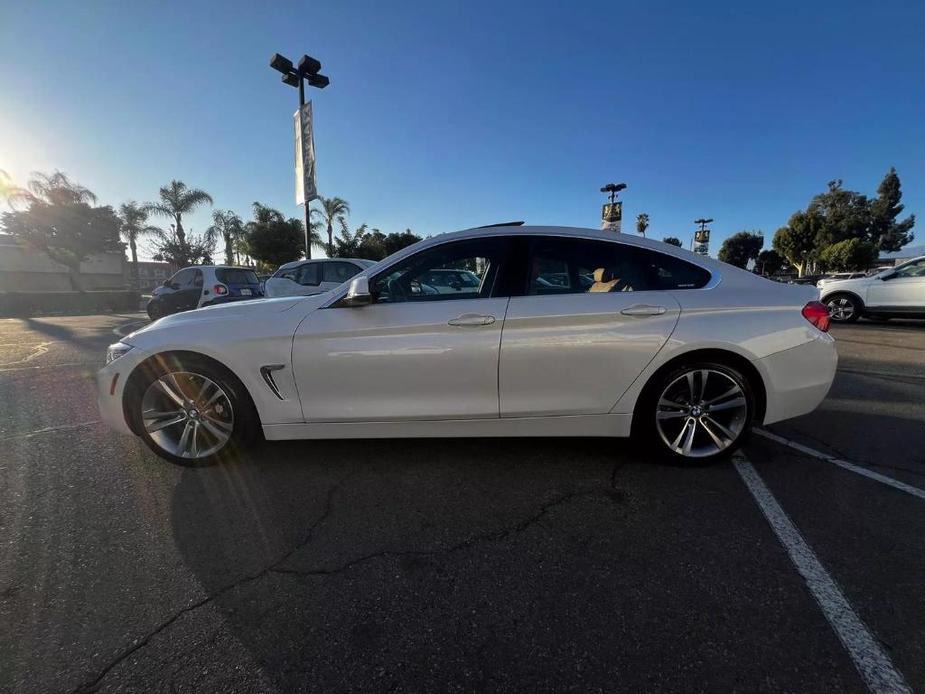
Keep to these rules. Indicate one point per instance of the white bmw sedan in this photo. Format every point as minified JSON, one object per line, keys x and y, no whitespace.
{"x":568,"y":332}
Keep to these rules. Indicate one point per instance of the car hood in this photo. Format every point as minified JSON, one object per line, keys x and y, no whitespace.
{"x":845,"y":284}
{"x":238,"y":311}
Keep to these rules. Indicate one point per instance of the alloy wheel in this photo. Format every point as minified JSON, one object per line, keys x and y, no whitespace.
{"x":187,"y":415}
{"x":841,"y":308}
{"x":701,"y":413}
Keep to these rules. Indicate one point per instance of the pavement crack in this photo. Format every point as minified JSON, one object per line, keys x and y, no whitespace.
{"x":490,"y":536}
{"x":94,"y":684}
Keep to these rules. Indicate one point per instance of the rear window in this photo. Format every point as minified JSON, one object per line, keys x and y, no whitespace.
{"x":234,"y":275}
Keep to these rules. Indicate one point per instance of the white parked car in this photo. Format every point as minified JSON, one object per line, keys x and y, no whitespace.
{"x":837,"y":276}
{"x":893,"y":293}
{"x":307,"y":277}
{"x":568,"y":332}
{"x":203,"y":285}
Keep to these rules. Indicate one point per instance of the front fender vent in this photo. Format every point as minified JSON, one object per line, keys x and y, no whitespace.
{"x":267,"y":373}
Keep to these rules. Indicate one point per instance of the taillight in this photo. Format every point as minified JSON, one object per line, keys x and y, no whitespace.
{"x":220,"y":290}
{"x":818,"y":314}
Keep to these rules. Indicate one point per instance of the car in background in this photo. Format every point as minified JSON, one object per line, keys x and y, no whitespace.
{"x":837,"y":276}
{"x":203,"y":285}
{"x":682,"y":351}
{"x":307,"y":277}
{"x":892,"y":293}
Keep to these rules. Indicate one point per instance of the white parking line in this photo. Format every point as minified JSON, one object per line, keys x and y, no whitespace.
{"x":896,"y":484}
{"x":874,"y":665}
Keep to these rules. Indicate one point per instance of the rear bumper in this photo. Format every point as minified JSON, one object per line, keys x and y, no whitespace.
{"x":798,"y":379}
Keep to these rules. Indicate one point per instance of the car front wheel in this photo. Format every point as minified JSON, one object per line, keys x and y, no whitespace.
{"x":699,"y":412}
{"x":843,"y":308}
{"x":193,"y":413}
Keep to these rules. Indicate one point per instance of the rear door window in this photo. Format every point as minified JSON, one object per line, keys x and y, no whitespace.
{"x":559,"y":265}
{"x":339,"y":272}
{"x":234,"y":275}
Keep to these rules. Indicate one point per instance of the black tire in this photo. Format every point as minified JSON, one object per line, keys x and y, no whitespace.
{"x":154,"y":311}
{"x":656,"y":434}
{"x":237,"y":409}
{"x":844,"y":308}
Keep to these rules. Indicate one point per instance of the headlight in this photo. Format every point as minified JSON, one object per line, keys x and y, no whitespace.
{"x":117,"y":350}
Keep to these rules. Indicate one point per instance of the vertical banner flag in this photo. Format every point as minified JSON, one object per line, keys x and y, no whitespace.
{"x":306,"y":188}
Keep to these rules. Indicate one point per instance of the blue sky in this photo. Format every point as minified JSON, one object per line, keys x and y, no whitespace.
{"x":443,"y":115}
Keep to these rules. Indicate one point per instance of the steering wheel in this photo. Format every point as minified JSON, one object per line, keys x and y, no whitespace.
{"x":396,"y":291}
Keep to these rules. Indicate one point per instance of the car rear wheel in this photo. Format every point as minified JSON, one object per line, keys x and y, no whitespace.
{"x":193,"y":413}
{"x":843,"y":308}
{"x":698,"y":412}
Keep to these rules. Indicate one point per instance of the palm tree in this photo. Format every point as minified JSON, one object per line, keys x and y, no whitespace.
{"x":58,"y":189}
{"x":176,"y":201}
{"x":134,"y":217}
{"x":11,"y":192}
{"x":227,"y":225}
{"x":332,"y":210}
{"x":348,"y":243}
{"x":642,"y":223}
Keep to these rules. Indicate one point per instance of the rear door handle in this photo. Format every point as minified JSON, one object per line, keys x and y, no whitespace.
{"x":643,"y":310}
{"x":471,"y":319}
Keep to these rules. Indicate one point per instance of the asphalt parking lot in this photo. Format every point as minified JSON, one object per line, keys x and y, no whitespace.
{"x":461,"y":565}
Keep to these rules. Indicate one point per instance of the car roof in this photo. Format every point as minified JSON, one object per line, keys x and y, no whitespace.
{"x":363,"y":262}
{"x":217,"y":267}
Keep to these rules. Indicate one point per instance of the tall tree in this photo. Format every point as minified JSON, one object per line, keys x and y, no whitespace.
{"x":61,"y":221}
{"x":228,"y":226}
{"x":642,"y":223}
{"x":888,"y":233}
{"x":770,"y":262}
{"x":133,"y":220}
{"x":333,"y":210}
{"x":177,"y":200}
{"x":850,"y":254}
{"x":10,"y":192}
{"x":797,"y":241}
{"x":741,"y":247}
{"x":272,"y":239}
{"x":348,"y":244}
{"x":673,"y":240}
{"x":843,"y":214}
{"x":192,"y":249}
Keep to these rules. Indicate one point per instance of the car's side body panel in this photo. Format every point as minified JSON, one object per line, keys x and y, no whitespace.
{"x":399,"y":361}
{"x":577,"y":353}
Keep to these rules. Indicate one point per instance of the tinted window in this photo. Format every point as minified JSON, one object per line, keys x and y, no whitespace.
{"x":183,"y":279}
{"x":306,"y":274}
{"x":574,"y":266}
{"x":197,"y":278}
{"x":236,"y":275}
{"x":339,"y":272}
{"x":461,"y":270}
{"x":912,"y":270}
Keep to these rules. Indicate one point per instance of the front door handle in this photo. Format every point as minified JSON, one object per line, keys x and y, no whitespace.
{"x":643,"y":310}
{"x":471,"y":319}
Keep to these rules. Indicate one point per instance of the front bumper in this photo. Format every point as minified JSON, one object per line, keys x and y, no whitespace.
{"x":798,"y":379}
{"x":110,"y":385}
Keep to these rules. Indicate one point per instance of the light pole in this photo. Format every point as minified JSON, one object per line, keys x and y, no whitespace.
{"x":308,"y":69}
{"x":612,"y":212}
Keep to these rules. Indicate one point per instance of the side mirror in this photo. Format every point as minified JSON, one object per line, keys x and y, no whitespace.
{"x":358,"y":292}
{"x":166,"y":283}
{"x":888,"y":276}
